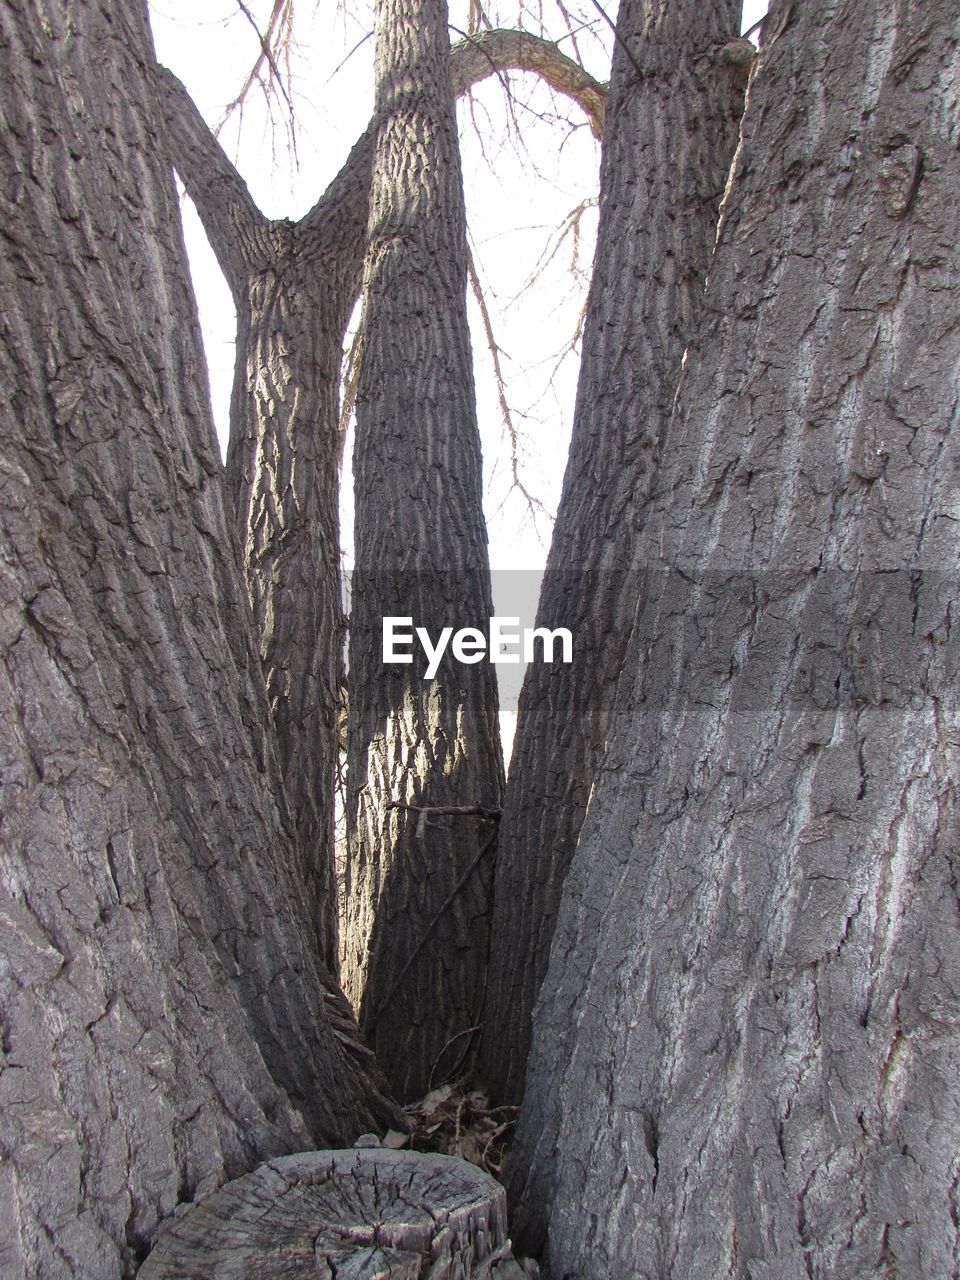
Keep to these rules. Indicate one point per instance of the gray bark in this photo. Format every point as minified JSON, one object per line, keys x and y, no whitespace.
{"x":672,"y":124}
{"x":369,"y":1213}
{"x":294,"y":286}
{"x":162,"y":1019}
{"x":746,"y":1047}
{"x":414,"y":935}
{"x":502,"y":50}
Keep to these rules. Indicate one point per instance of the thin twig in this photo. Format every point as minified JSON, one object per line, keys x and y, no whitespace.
{"x":617,"y":36}
{"x":359,"y":45}
{"x":756,"y":27}
{"x":278,"y":30}
{"x":571,"y":31}
{"x":351,"y":382}
{"x":461,"y":810}
{"x":513,"y":436}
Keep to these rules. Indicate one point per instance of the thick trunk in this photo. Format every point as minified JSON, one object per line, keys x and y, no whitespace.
{"x":414,"y":936}
{"x":672,"y":120}
{"x":163,"y":1020}
{"x":294,"y":286}
{"x":746,"y":1047}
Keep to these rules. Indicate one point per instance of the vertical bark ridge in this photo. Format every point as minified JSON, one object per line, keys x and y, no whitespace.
{"x":283,"y":476}
{"x":758,"y":952}
{"x":672,"y":124}
{"x":420,"y":552}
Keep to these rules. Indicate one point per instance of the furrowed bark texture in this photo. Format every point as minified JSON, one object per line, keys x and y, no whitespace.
{"x":162,"y":1018}
{"x":746,"y":1047}
{"x":294,"y":286}
{"x":414,"y":937}
{"x":672,"y":123}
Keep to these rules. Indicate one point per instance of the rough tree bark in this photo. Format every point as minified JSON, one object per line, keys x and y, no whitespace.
{"x":162,"y":1019}
{"x":676,"y":97}
{"x":747,"y":1045}
{"x":294,"y":286}
{"x":414,"y":934}
{"x":499,"y":51}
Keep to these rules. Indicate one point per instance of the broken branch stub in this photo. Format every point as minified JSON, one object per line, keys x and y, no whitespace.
{"x":361,"y":1214}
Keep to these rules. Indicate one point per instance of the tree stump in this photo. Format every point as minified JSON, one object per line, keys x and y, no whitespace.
{"x":361,"y":1214}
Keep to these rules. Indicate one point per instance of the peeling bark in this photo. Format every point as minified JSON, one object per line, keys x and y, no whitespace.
{"x":673,"y":116}
{"x":757,"y":962}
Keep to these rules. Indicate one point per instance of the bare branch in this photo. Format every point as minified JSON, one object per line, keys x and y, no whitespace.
{"x":276,"y":36}
{"x":534,"y":505}
{"x":571,"y":29}
{"x":232,"y":221}
{"x":477,"y":19}
{"x":338,"y":220}
{"x":494,"y":52}
{"x":350,"y":383}
{"x":571,"y":226}
{"x":340,"y":65}
{"x":617,"y":36}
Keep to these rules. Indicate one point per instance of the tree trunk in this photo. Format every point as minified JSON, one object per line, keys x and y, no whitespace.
{"x":162,"y":1011}
{"x":294,"y":286}
{"x":414,"y":939}
{"x":746,"y":1047}
{"x":283,"y":475}
{"x":672,"y":121}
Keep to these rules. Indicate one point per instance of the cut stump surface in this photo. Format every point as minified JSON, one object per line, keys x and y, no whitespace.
{"x":358,"y":1214}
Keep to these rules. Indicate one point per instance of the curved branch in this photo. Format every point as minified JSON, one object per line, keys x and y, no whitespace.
{"x":232,"y":221}
{"x":340,"y":215}
{"x":235,"y":226}
{"x":492,"y":52}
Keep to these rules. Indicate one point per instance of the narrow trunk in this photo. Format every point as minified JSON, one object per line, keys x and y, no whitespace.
{"x":294,"y":286}
{"x":283,"y":474}
{"x":163,"y":1022}
{"x":414,"y":938}
{"x":672,"y":117}
{"x":746,"y":1046}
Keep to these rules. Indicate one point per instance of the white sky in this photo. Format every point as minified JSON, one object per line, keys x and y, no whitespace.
{"x":525,"y":171}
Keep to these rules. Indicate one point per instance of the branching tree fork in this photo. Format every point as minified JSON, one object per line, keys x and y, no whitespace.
{"x":294,"y":286}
